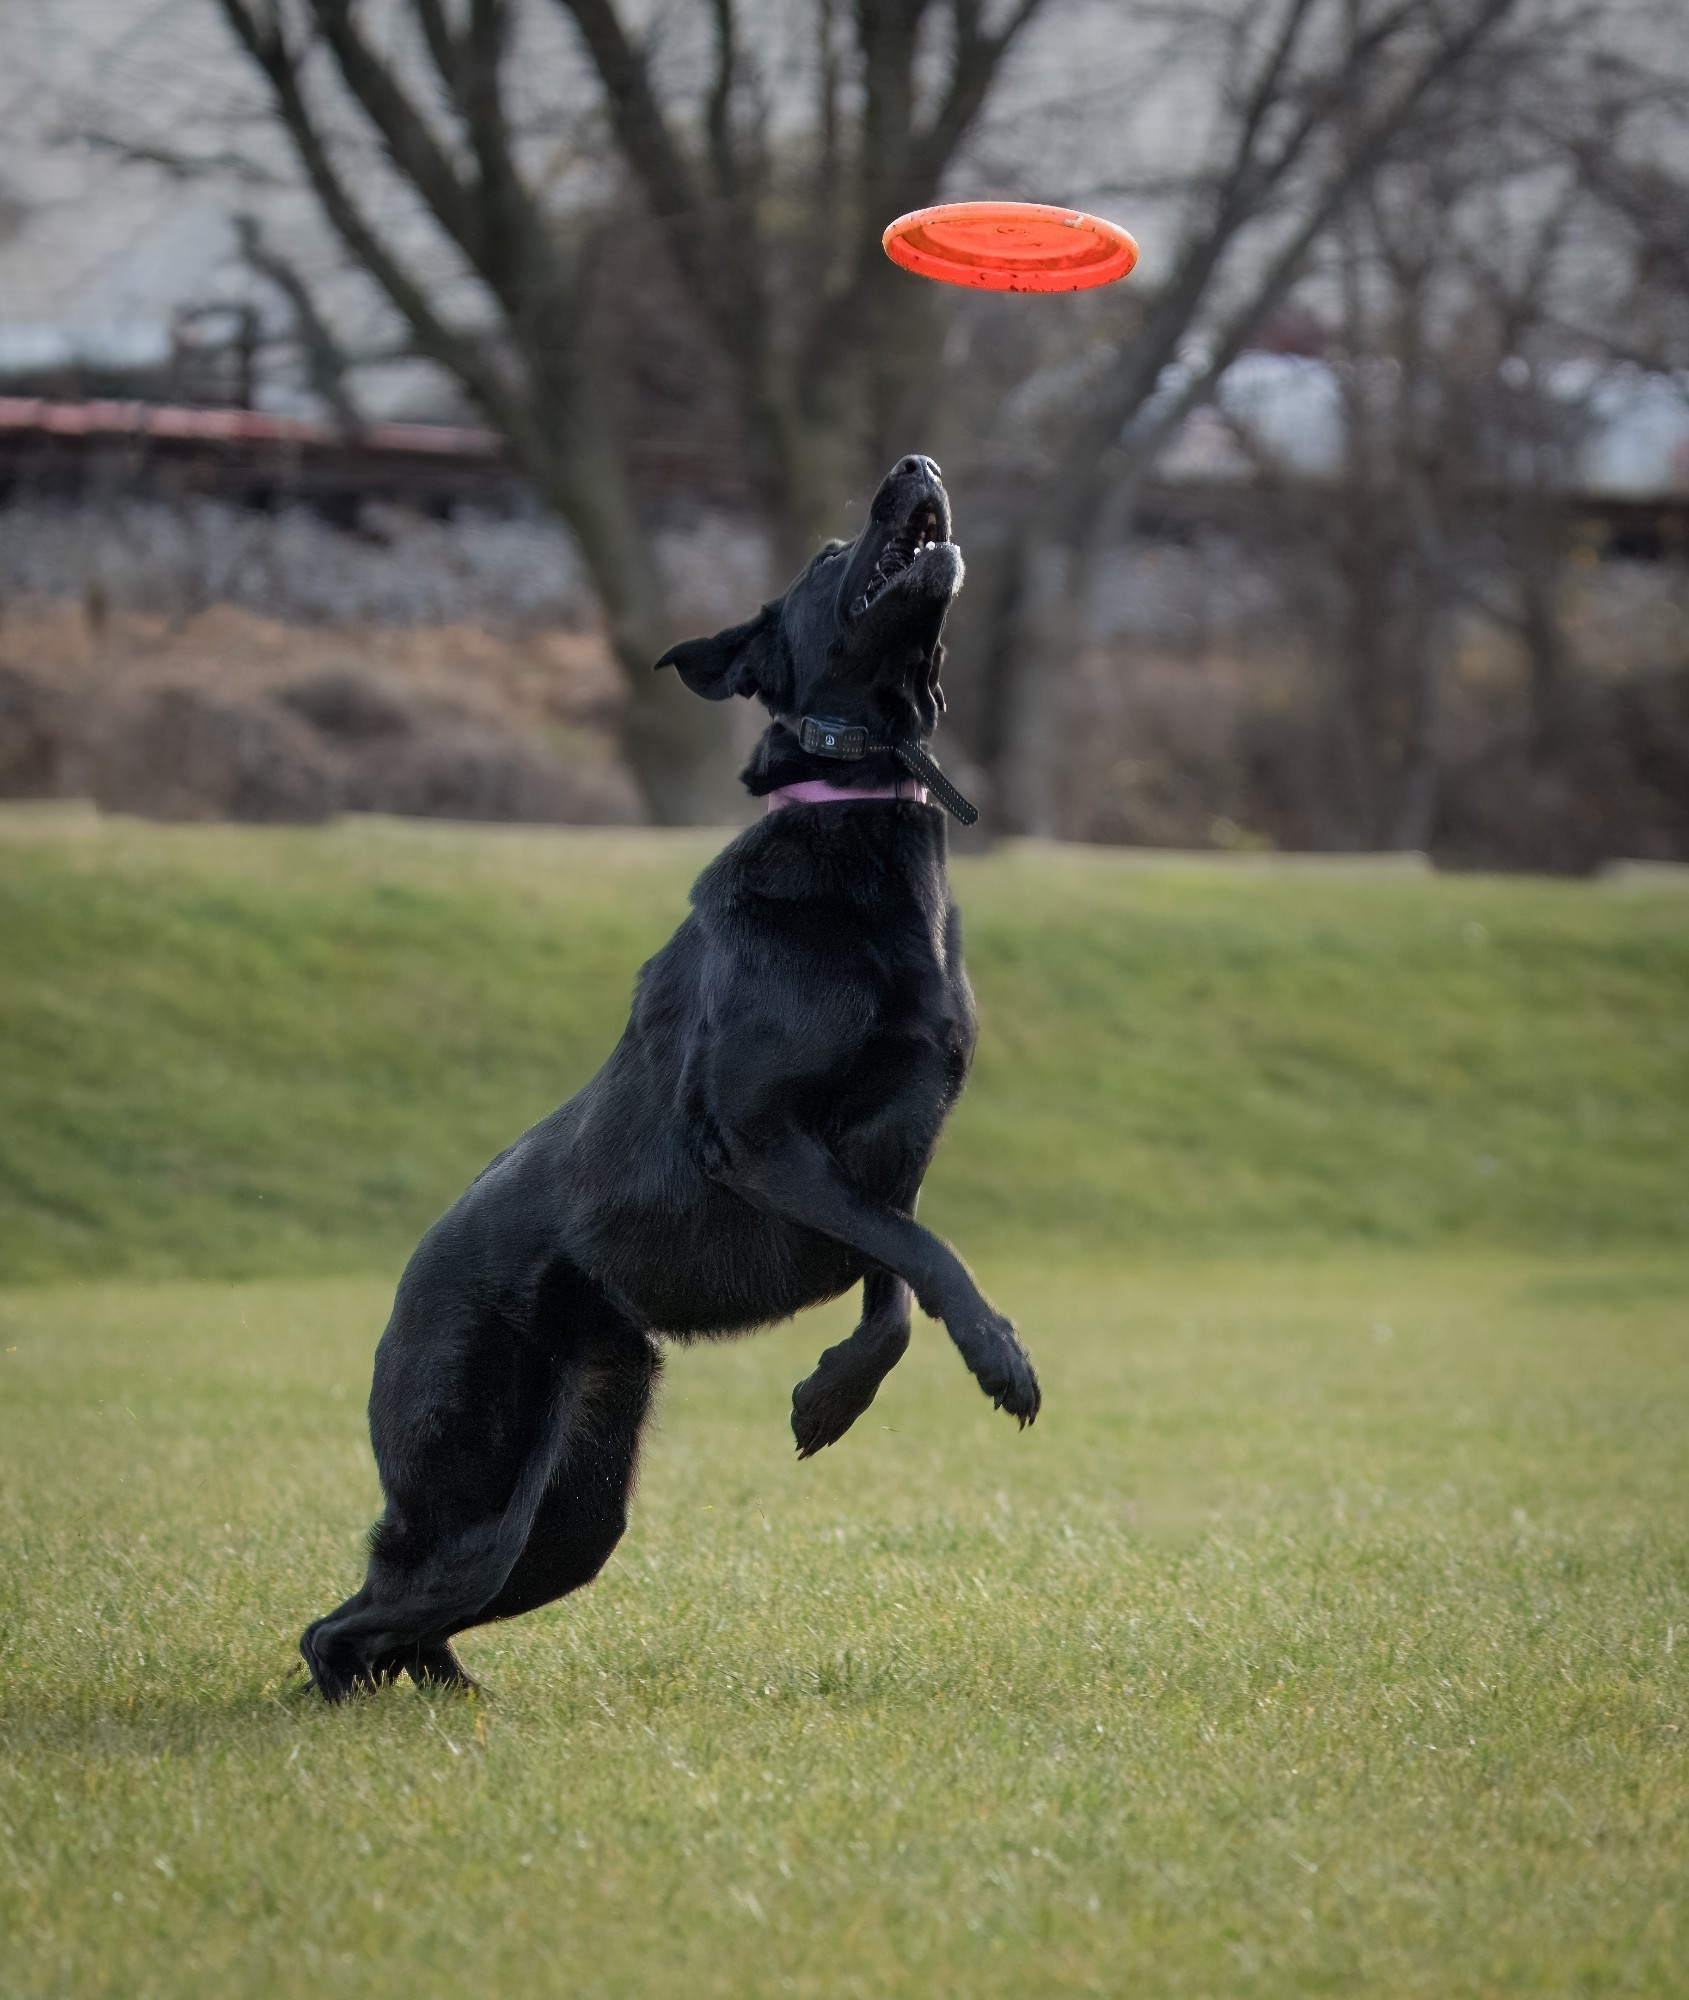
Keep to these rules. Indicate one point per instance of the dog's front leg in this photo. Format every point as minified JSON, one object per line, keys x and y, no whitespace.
{"x":827,"y":1403}
{"x":793,"y":1176}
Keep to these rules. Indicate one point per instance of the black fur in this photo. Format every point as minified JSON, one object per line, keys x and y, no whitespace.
{"x":755,"y":1144}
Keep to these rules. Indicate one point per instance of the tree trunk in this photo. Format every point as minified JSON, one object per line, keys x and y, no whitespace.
{"x":1044,"y":636}
{"x":1417,"y":814}
{"x":679,"y":748}
{"x":1539,"y":560}
{"x":1435,"y":636}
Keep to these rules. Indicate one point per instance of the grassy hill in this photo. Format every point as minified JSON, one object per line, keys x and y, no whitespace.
{"x":236,"y":1052}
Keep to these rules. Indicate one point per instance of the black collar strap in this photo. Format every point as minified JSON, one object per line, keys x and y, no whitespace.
{"x":848,"y":741}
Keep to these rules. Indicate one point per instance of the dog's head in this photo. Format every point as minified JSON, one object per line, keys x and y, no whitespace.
{"x":856,"y":637}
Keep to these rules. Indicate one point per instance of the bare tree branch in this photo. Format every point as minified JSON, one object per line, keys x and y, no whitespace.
{"x":724,"y":159}
{"x":460,"y":354}
{"x":1097,"y":460}
{"x":794,"y":410}
{"x":978,"y":59}
{"x":404,"y":131}
{"x":469,"y":65}
{"x":901,"y":167}
{"x":645,"y":140}
{"x":224,"y":165}
{"x":326,"y":364}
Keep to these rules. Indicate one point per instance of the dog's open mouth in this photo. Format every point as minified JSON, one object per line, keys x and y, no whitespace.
{"x":925,"y":529}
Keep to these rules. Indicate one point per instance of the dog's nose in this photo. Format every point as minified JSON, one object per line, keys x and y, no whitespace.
{"x":915,"y":465}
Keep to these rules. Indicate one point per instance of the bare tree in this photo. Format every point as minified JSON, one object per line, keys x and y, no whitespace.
{"x":1374,"y":561}
{"x":774,"y":238}
{"x":1315,"y":99}
{"x":524,"y":351}
{"x":832,"y":351}
{"x":1471,"y":295}
{"x":1616,"y":110}
{"x":1466,"y":332}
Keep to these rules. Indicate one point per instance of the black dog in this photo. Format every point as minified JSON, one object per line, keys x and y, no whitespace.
{"x":755,"y":1143}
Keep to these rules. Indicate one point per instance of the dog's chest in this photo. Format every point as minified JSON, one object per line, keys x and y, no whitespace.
{"x":898,"y":1075}
{"x":831,"y":981}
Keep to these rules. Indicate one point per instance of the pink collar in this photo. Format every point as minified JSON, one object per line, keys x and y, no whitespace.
{"x":819,"y":791}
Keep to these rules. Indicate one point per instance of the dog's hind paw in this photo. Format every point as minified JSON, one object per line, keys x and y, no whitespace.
{"x":824,"y":1408}
{"x":337,"y":1672}
{"x":328,"y":1677}
{"x":436,"y":1667}
{"x":845,"y":1382}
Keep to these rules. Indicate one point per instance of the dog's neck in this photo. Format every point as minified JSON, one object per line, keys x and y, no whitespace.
{"x":888,"y":765}
{"x":822,"y":791}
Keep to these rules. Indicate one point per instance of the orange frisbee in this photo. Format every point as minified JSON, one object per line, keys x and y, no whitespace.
{"x":1010,"y":246}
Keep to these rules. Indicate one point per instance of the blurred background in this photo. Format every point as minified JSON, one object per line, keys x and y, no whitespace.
{"x":383,"y":386}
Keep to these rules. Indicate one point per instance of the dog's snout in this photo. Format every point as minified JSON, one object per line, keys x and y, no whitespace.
{"x":915,"y":466}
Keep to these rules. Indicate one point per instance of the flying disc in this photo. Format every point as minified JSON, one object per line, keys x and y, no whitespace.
{"x":1010,"y":246}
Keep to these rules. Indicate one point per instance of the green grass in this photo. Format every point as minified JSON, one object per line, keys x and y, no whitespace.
{"x":242,"y":1053}
{"x":1327,"y":1633}
{"x":1279,"y":1657}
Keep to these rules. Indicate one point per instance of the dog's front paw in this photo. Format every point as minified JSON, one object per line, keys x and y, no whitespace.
{"x":1002,"y":1367}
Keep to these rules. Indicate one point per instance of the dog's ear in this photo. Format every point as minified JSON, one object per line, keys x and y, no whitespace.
{"x":742,"y":660}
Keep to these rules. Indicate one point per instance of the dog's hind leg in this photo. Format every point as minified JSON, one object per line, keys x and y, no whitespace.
{"x":847,"y":1377}
{"x":428,"y":1578}
{"x":582,"y":1511}
{"x":473,"y":1415}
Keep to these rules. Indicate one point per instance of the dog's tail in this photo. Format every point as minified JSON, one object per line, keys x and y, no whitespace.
{"x":482,"y":1562}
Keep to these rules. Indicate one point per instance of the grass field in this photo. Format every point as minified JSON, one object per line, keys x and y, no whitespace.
{"x":1327,"y":1634}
